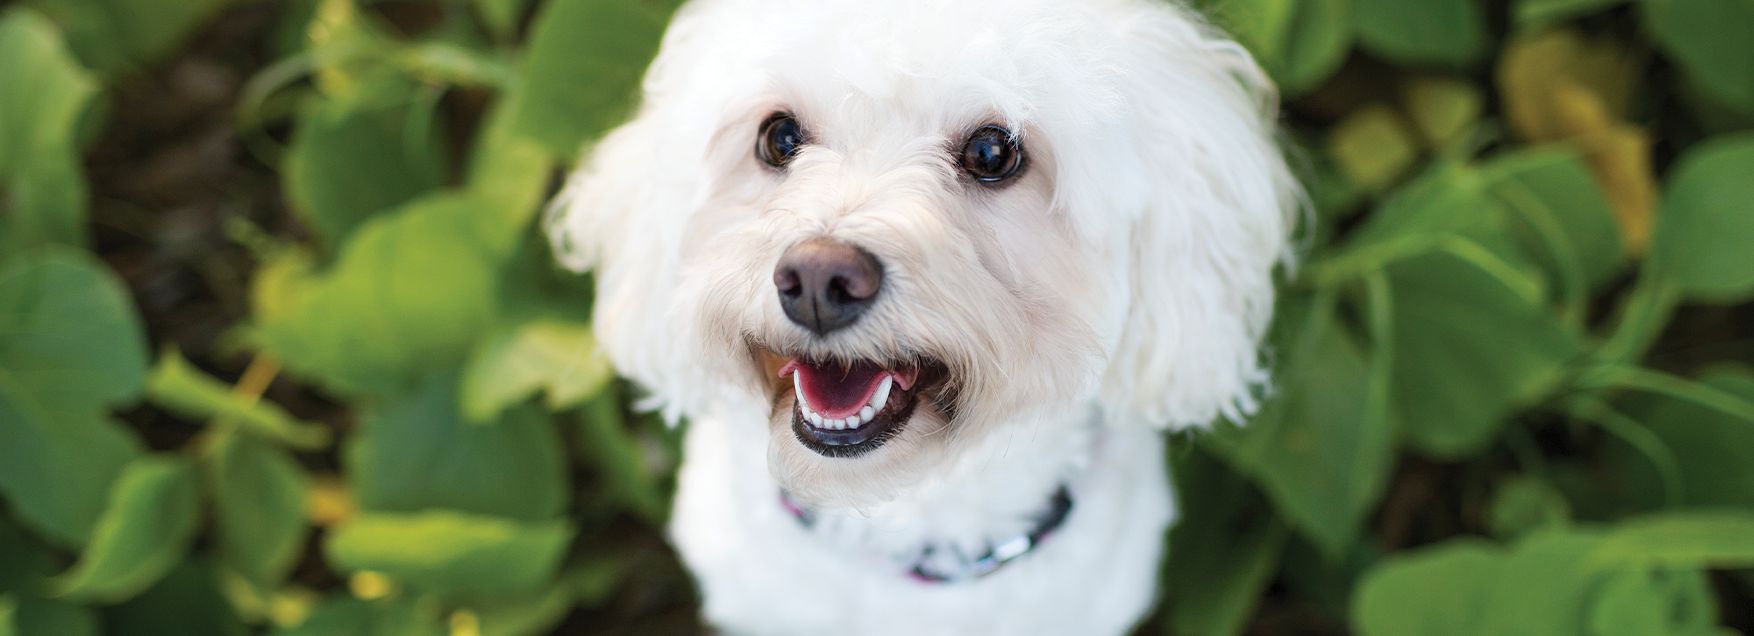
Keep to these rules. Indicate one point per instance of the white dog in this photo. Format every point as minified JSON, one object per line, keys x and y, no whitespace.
{"x":929,"y":278}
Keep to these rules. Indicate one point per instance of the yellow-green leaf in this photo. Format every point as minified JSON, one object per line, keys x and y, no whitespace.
{"x":444,"y":552}
{"x":42,"y":186}
{"x":178,"y":386}
{"x":557,"y":357}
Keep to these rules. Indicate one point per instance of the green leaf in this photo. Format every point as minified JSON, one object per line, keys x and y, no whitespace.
{"x":42,"y":186}
{"x":142,"y":535}
{"x":1535,"y":13}
{"x":416,"y":451}
{"x":1373,"y":147}
{"x":1524,"y":504}
{"x":360,"y":154}
{"x":1320,"y":448}
{"x":1541,"y":586}
{"x":1300,"y":43}
{"x":1471,"y":346}
{"x":1222,"y":551}
{"x":1709,"y":39}
{"x":179,"y":387}
{"x":1701,"y":245}
{"x":68,"y":331}
{"x":1446,"y":202}
{"x":583,"y":68}
{"x":508,"y":168}
{"x":444,"y":552}
{"x":410,"y":292}
{"x":1442,"y":108}
{"x":1434,"y":32}
{"x":1677,"y":602}
{"x":1553,"y":582}
{"x":1434,"y":591}
{"x":122,"y":35}
{"x":1718,"y":447}
{"x":258,"y":507}
{"x":501,"y":16}
{"x":552,"y":355}
{"x":70,"y":346}
{"x":1562,"y":215}
{"x":1719,"y":539}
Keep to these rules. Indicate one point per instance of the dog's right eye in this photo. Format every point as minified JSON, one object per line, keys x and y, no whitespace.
{"x":781,"y":138}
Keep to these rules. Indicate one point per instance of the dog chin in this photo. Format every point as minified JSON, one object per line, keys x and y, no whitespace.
{"x":854,"y":432}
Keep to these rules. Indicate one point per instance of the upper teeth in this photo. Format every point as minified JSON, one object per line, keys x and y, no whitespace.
{"x":868,"y":412}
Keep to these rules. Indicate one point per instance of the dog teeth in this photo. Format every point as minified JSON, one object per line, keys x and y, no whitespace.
{"x":880,"y":398}
{"x":866,"y":414}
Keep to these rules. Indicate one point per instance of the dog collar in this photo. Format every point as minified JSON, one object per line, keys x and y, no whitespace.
{"x":935,"y":563}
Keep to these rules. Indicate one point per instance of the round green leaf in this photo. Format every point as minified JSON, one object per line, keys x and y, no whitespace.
{"x":1704,"y":231}
{"x":1524,"y":504}
{"x":1434,"y":592}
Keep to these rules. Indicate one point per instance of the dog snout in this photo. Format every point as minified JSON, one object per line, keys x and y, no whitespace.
{"x":825,"y":284}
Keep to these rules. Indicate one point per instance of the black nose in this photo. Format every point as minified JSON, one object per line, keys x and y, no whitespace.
{"x":825,"y":285}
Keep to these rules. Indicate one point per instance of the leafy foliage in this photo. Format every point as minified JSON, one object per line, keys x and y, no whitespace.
{"x":1512,"y":394}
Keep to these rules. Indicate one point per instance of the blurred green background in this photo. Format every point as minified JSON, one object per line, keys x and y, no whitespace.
{"x":282,"y":350}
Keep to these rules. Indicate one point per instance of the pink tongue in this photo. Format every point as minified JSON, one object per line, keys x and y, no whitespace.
{"x":836,"y":391}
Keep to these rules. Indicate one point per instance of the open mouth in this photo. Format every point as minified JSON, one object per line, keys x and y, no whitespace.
{"x":844,"y":409}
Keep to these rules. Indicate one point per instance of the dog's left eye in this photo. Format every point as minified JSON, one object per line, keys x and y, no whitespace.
{"x":991,"y":155}
{"x":781,"y":138}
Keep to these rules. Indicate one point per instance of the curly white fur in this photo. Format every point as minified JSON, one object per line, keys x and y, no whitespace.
{"x":1120,"y":285}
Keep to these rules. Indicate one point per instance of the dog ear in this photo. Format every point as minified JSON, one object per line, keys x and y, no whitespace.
{"x":1217,"y":210}
{"x":622,"y":215}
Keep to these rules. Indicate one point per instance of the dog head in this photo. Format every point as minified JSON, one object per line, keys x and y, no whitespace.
{"x":897,"y":227}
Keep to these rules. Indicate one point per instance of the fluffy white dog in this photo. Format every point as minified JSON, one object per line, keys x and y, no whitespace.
{"x":929,"y":279}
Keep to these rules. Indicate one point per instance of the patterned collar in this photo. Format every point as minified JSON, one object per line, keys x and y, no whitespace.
{"x":935,"y":563}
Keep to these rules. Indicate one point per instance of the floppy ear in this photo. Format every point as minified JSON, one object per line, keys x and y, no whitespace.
{"x":622,"y":215}
{"x":1217,"y":214}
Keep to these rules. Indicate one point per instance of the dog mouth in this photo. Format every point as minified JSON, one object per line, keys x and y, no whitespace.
{"x":849,"y":408}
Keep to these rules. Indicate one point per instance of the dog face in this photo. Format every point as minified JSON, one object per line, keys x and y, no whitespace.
{"x":894,"y":228}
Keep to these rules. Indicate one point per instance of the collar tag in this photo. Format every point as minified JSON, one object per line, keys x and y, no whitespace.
{"x":939,"y":564}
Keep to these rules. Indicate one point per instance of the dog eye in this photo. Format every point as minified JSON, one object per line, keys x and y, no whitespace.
{"x":781,"y":138}
{"x":991,"y":155}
